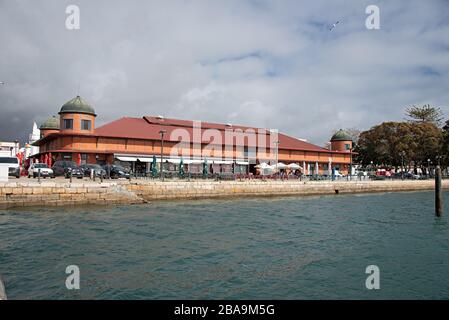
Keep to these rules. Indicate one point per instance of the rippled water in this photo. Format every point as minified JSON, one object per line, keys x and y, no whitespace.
{"x":277,"y":248}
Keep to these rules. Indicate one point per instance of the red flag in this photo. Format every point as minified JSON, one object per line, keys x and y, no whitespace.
{"x":78,"y":159}
{"x":50,"y":160}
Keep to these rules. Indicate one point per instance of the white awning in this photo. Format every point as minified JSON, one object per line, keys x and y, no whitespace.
{"x":147,"y":159}
{"x":127,"y":159}
{"x":188,"y":161}
{"x":222,"y":162}
{"x":175,"y":161}
{"x":242,"y":163}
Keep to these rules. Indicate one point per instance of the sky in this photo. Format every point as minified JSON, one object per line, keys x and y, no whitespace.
{"x":269,"y":64}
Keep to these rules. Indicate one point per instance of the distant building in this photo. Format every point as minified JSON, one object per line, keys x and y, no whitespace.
{"x":137,"y":141}
{"x":35,"y":135}
{"x":9,"y":149}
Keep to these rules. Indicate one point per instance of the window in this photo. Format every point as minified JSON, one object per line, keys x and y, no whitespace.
{"x":347,"y":146}
{"x":68,"y":123}
{"x":83,"y":158}
{"x":85,"y":124}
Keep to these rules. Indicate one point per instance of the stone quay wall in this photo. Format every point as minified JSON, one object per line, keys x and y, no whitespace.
{"x":157,"y":190}
{"x":59,"y":192}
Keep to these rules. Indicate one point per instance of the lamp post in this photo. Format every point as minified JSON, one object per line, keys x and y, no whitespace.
{"x":277,"y":154}
{"x":402,"y":165}
{"x":350,"y":163}
{"x":428,"y":167}
{"x":162,"y":132}
{"x":16,"y":147}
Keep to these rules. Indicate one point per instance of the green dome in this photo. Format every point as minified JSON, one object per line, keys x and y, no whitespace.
{"x":51,"y":123}
{"x":77,"y":105}
{"x":341,"y":135}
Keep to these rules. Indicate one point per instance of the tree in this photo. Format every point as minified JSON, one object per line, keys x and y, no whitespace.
{"x":445,"y":143}
{"x":424,"y":114}
{"x":388,"y":143}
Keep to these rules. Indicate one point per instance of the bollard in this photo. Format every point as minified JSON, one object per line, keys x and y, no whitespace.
{"x":101,"y":177}
{"x":438,"y":193}
{"x":70,"y":176}
{"x":91,"y":174}
{"x":39,"y":175}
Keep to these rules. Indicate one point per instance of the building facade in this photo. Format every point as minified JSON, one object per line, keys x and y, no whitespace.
{"x":136,"y":142}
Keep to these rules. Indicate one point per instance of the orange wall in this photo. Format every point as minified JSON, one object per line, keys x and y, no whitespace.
{"x":340,"y":145}
{"x":77,"y":122}
{"x":103,"y":145}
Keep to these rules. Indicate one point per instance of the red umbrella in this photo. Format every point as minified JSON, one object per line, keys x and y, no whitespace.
{"x":19,"y":156}
{"x":78,"y":159}
{"x":50,"y":160}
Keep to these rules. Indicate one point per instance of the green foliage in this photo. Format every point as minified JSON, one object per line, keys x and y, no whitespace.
{"x":387,"y":143}
{"x":424,"y":114}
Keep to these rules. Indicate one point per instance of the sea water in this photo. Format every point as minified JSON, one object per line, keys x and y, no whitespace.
{"x":241,"y":248}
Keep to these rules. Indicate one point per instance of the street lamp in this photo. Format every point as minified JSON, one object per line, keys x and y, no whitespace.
{"x":162,"y":132}
{"x":402,"y":165}
{"x":350,"y":163}
{"x":16,"y":147}
{"x":277,"y":154}
{"x":428,"y":167}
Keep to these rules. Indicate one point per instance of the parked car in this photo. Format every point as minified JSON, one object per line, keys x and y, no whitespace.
{"x":98,"y":170}
{"x":33,"y":170}
{"x":408,"y":175}
{"x":117,"y":171}
{"x":13,"y":165}
{"x":65,"y":168}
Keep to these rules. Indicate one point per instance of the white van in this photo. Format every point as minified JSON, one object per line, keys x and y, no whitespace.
{"x":13,"y":165}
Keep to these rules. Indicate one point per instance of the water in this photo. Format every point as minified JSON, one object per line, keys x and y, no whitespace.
{"x":277,"y":248}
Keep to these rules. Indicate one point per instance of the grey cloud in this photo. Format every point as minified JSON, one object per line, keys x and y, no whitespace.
{"x":265,"y":63}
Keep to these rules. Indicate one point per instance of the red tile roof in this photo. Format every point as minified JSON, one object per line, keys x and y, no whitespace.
{"x":148,"y":128}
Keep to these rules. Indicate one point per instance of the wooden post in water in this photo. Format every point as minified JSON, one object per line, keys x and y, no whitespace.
{"x":2,"y":291}
{"x":438,"y":193}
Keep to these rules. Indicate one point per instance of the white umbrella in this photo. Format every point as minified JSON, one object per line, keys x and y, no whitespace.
{"x":294,"y":166}
{"x":263,"y":165}
{"x":280,"y":165}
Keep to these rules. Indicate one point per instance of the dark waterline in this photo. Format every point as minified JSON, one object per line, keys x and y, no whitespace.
{"x":276,"y":248}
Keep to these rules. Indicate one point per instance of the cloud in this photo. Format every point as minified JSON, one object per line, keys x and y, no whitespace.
{"x":270,"y":64}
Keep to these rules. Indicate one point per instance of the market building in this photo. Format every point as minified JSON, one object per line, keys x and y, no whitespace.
{"x":136,"y":142}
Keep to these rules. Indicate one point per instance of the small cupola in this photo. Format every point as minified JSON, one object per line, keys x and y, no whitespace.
{"x":341,"y":141}
{"x":50,"y":125}
{"x":78,"y":116}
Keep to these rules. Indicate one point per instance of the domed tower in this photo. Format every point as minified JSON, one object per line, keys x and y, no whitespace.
{"x":77,"y":116}
{"x":341,"y":141}
{"x":50,"y":125}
